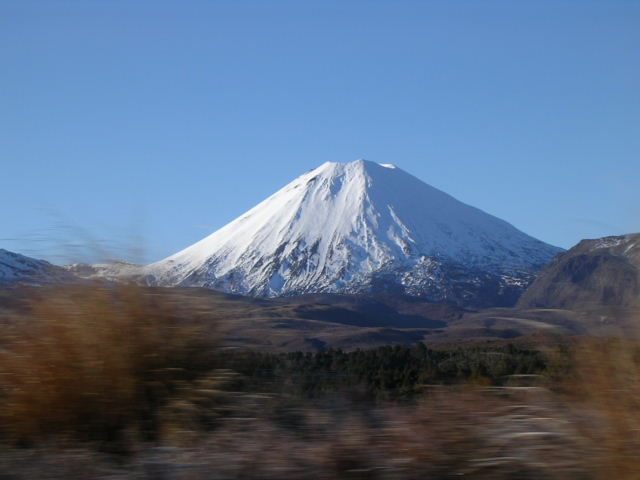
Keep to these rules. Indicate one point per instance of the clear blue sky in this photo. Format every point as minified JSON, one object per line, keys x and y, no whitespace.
{"x":135,"y":128}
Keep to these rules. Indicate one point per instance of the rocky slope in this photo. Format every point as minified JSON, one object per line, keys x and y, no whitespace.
{"x":602,"y":272}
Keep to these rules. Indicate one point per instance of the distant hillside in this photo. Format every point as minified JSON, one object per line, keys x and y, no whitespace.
{"x":600,"y":272}
{"x":20,"y":269}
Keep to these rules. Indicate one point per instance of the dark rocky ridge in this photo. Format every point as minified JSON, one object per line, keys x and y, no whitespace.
{"x":602,"y":272}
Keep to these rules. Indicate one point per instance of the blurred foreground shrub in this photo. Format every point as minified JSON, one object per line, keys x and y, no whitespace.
{"x":94,"y":363}
{"x":605,"y":387}
{"x":130,"y":368}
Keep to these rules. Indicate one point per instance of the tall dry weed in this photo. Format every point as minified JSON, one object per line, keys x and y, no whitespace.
{"x":605,"y":389}
{"x":93,"y":363}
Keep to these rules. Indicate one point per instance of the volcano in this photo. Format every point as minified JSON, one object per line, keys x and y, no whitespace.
{"x":362,"y":227}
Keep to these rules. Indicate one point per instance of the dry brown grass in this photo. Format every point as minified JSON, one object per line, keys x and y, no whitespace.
{"x":94,"y":362}
{"x":605,"y":389}
{"x":119,"y":367}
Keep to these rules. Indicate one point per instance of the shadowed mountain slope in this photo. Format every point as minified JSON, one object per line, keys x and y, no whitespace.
{"x":600,"y":272}
{"x":20,"y":269}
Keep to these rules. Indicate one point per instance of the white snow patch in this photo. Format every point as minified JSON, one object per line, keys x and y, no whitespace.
{"x":607,"y":242}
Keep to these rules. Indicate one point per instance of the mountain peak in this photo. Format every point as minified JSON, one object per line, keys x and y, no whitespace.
{"x":352,"y":227}
{"x":361,"y":163}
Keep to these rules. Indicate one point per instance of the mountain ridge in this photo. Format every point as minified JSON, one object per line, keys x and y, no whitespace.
{"x":16,"y":268}
{"x":602,"y":271}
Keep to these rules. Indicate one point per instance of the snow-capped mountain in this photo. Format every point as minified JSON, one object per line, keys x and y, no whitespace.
{"x":20,"y":269}
{"x":361,"y":227}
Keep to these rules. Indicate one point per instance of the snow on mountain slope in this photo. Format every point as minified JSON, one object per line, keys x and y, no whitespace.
{"x":20,"y":269}
{"x":357,"y":227}
{"x":111,"y":272}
